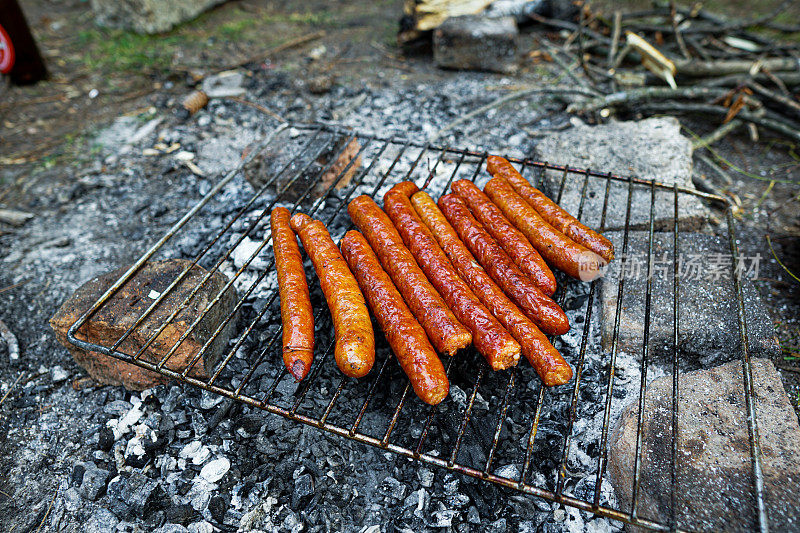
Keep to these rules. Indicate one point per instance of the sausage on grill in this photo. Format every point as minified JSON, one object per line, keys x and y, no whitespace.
{"x":549,"y":364}
{"x":408,"y":340}
{"x":406,"y":188}
{"x":490,"y":338}
{"x":355,"y":342}
{"x":557,"y":249}
{"x":553,"y":213}
{"x":536,"y":305}
{"x":510,"y":238}
{"x":446,"y":333}
{"x":296,"y":314}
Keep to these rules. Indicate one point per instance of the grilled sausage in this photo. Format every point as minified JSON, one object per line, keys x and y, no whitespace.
{"x":488,"y":335}
{"x":355,"y":342}
{"x":551,"y":367}
{"x":536,"y":305}
{"x":557,"y":249}
{"x":446,"y":333}
{"x":408,"y":340}
{"x":406,"y":188}
{"x":296,"y":314}
{"x":508,"y":237}
{"x":553,"y":213}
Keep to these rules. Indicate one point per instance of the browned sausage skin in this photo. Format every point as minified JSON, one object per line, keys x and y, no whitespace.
{"x":490,"y":338}
{"x":553,"y":213}
{"x":296,"y":313}
{"x":408,"y":340}
{"x":536,"y":305}
{"x":446,"y":333}
{"x":549,"y":364}
{"x":558,"y":250}
{"x":507,"y":236}
{"x":355,"y":342}
{"x":406,"y":188}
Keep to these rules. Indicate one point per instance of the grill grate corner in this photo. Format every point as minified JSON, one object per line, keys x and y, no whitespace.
{"x":504,"y":428}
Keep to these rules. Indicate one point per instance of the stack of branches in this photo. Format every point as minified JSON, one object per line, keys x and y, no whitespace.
{"x":694,"y":63}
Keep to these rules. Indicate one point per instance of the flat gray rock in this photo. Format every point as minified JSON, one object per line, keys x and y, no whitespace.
{"x":148,"y":16}
{"x":714,"y":470}
{"x":708,"y":321}
{"x":651,"y":149}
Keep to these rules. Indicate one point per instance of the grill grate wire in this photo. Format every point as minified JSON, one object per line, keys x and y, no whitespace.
{"x":268,"y":355}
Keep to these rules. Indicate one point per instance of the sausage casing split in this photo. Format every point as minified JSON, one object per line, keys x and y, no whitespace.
{"x":488,"y":335}
{"x":355,"y":342}
{"x":507,"y":236}
{"x":557,"y":249}
{"x":536,"y":305}
{"x":549,"y":364}
{"x":408,"y":340}
{"x":296,"y":313}
{"x":553,"y":213}
{"x":446,"y":333}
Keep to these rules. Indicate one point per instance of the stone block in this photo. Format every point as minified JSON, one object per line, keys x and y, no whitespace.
{"x":715,"y":490}
{"x":129,"y":303}
{"x":475,"y":42}
{"x":148,"y":16}
{"x":651,"y":149}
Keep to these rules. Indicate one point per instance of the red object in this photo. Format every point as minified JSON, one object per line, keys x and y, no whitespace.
{"x":6,"y":52}
{"x":19,"y":55}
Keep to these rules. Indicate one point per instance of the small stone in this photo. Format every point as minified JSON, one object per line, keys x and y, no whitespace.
{"x":100,"y":521}
{"x":94,"y":483}
{"x":508,"y":471}
{"x":425,"y":477}
{"x":224,"y":84}
{"x":59,"y":374}
{"x":134,"y":495}
{"x":180,"y":514}
{"x":218,"y":506}
{"x":498,"y":526}
{"x":209,"y":400}
{"x":475,"y":42}
{"x":303,"y":488}
{"x":215,"y":470}
{"x":473,"y":516}
{"x":105,"y":439}
{"x":443,"y":518}
{"x":201,"y":527}
{"x":117,"y":408}
{"x":171,"y":528}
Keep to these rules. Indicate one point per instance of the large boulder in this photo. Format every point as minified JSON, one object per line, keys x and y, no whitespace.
{"x":148,"y":16}
{"x":129,"y":303}
{"x":652,"y":149}
{"x":715,"y":487}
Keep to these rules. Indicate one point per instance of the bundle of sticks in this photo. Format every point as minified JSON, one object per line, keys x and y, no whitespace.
{"x":697,"y":63}
{"x":472,"y":269}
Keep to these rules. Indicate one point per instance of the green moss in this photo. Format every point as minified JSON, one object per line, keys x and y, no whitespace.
{"x":126,"y":51}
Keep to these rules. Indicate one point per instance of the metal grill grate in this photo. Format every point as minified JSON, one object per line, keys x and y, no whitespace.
{"x":468,"y":432}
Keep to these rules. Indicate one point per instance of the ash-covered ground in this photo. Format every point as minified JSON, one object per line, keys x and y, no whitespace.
{"x":81,"y":457}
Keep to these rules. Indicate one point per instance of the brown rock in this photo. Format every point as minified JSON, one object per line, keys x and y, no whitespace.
{"x":123,"y":309}
{"x":715,"y":490}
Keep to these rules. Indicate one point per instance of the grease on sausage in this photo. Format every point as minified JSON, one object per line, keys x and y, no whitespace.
{"x":296,"y":313}
{"x":355,"y":342}
{"x":408,"y":340}
{"x":557,"y":249}
{"x":490,"y":338}
{"x":507,"y":236}
{"x":549,"y":364}
{"x":553,"y":213}
{"x":446,"y":333}
{"x":536,"y":305}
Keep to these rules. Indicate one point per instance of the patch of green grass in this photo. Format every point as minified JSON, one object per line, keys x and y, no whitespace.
{"x":126,"y":51}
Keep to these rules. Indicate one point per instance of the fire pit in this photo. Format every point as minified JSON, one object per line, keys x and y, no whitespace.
{"x":505,"y":427}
